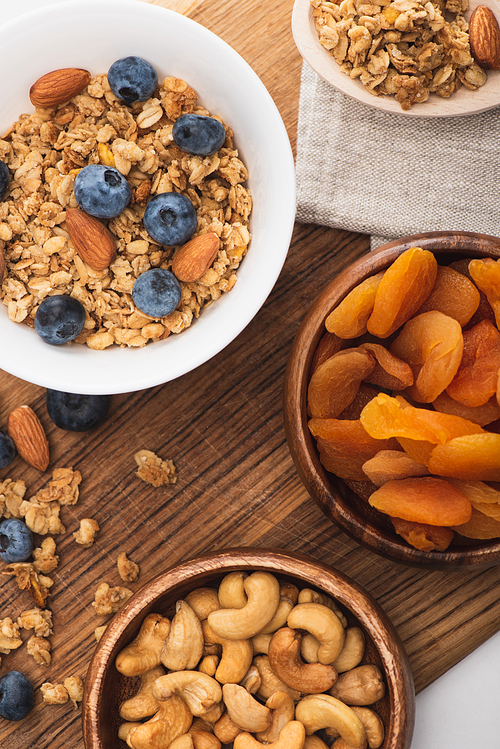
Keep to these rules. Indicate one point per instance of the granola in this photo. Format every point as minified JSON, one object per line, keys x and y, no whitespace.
{"x":127,"y":569}
{"x":39,"y":620}
{"x":39,"y":649}
{"x":45,"y":150}
{"x":153,"y":470}
{"x":109,"y":600}
{"x":405,"y":48}
{"x":86,"y":533}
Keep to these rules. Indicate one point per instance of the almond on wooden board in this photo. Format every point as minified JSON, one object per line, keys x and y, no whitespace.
{"x":29,"y":437}
{"x":92,"y":240}
{"x":58,"y":86}
{"x":484,"y":38}
{"x":195,"y":257}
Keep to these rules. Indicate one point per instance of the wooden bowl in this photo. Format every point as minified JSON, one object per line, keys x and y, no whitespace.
{"x":462,"y":102}
{"x":105,"y":687}
{"x":334,"y":497}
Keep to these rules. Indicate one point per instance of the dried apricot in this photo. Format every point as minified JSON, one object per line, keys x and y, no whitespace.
{"x":453,"y":295}
{"x":328,"y":345}
{"x":390,"y":372}
{"x":432,"y":344}
{"x":389,"y":465}
{"x":482,"y":497}
{"x":362,"y":397}
{"x":426,"y":499}
{"x":344,"y":446}
{"x":484,"y":310}
{"x":419,"y":450}
{"x":486,"y":275}
{"x":473,"y":457}
{"x":335,"y":383}
{"x":479,"y":526}
{"x":482,"y":415}
{"x":349,"y":318}
{"x":422,"y":536}
{"x":406,"y":284}
{"x":477,"y":376}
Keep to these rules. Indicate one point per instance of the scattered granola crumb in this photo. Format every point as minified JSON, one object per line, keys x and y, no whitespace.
{"x":153,"y":470}
{"x":63,"y":487}
{"x":39,"y":648}
{"x":37,"y":619}
{"x":45,"y":557}
{"x":99,"y":631}
{"x":9,"y":635}
{"x":128,"y":570}
{"x":109,"y":600}
{"x":85,"y":535}
{"x":42,"y":517}
{"x":54,"y":694}
{"x":11,"y":496}
{"x":74,"y":687}
{"x":27,"y":578}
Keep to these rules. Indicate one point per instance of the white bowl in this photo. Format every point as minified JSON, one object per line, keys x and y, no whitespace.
{"x":92,"y":34}
{"x":462,"y":102}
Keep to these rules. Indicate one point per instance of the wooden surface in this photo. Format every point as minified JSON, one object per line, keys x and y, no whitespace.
{"x":222,"y":426}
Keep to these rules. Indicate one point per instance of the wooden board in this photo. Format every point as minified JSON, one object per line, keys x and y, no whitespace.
{"x":222,"y":425}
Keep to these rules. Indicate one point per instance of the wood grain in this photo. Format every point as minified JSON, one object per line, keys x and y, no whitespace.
{"x":222,"y":425}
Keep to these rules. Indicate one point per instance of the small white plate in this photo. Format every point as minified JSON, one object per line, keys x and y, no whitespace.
{"x":460,"y":103}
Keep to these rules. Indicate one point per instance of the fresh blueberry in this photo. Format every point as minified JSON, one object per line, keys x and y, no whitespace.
{"x":16,"y":541}
{"x":76,"y":413}
{"x":4,"y":179}
{"x":59,"y":319}
{"x":132,"y":79}
{"x":7,"y":450}
{"x":156,"y":292}
{"x":102,"y":191}
{"x":16,"y":695}
{"x":170,"y":218}
{"x":198,"y":134}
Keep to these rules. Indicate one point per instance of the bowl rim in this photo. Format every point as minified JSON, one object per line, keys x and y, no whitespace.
{"x":315,"y":478}
{"x":347,"y":591}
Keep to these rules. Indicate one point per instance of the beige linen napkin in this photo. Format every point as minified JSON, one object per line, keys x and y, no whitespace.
{"x":390,"y":175}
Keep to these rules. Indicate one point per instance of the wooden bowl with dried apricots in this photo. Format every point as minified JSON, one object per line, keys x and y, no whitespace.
{"x":255,"y":607}
{"x":392,"y":400}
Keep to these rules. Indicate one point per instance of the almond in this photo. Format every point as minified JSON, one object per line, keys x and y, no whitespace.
{"x":58,"y":86}
{"x":92,"y":240}
{"x":29,"y":437}
{"x":484,"y":37}
{"x":195,"y":257}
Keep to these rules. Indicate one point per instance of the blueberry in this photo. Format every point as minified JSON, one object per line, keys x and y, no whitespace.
{"x":16,"y":695}
{"x":4,"y":179}
{"x":198,"y":134}
{"x":59,"y":319}
{"x":7,"y":450}
{"x":132,"y":79}
{"x":102,"y":191}
{"x":170,"y":218}
{"x":16,"y":541}
{"x":76,"y":413}
{"x":156,"y":292}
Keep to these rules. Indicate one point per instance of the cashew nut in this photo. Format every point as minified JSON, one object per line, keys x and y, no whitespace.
{"x":359,"y":686}
{"x":353,"y":650}
{"x":270,"y":682}
{"x":184,"y":645}
{"x":290,"y":591}
{"x":244,"y":710}
{"x":236,"y":656}
{"x":232,"y":592}
{"x":317,"y":711}
{"x":208,"y":664}
{"x":142,"y":704}
{"x":143,"y":653}
{"x":263,"y":593}
{"x":309,"y":648}
{"x":341,"y":743}
{"x":313,"y":742}
{"x":252,"y":680}
{"x":260,"y":643}
{"x":285,"y":660}
{"x":203,"y":601}
{"x":324,"y":624}
{"x":282,"y":709}
{"x":125,"y":728}
{"x":292,"y":736}
{"x":308,"y":595}
{"x":202,"y":736}
{"x":225,"y":730}
{"x":182,"y":742}
{"x":280,"y":617}
{"x":199,"y":691}
{"x":374,"y":727}
{"x":213,"y":713}
{"x":172,"y":720}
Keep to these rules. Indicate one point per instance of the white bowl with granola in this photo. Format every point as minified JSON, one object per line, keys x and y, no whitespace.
{"x":409,"y":57}
{"x":237,"y":193}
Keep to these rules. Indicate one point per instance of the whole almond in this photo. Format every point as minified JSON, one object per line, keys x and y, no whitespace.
{"x":92,"y":240}
{"x":58,"y":86}
{"x":484,"y":38}
{"x":29,"y":437}
{"x":195,"y":257}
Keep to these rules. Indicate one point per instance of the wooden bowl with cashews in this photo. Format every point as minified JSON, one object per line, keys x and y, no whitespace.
{"x":247,"y":648}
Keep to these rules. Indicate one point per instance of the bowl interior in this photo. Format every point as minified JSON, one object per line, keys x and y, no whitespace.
{"x":462,"y":102}
{"x":105,"y":688}
{"x":79,"y":37}
{"x":337,"y":498}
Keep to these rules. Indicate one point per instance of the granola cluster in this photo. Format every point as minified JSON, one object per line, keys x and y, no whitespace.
{"x":403,"y":48}
{"x":45,"y":150}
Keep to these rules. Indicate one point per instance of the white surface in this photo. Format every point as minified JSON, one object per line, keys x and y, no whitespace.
{"x":227,"y":86}
{"x":461,"y":710}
